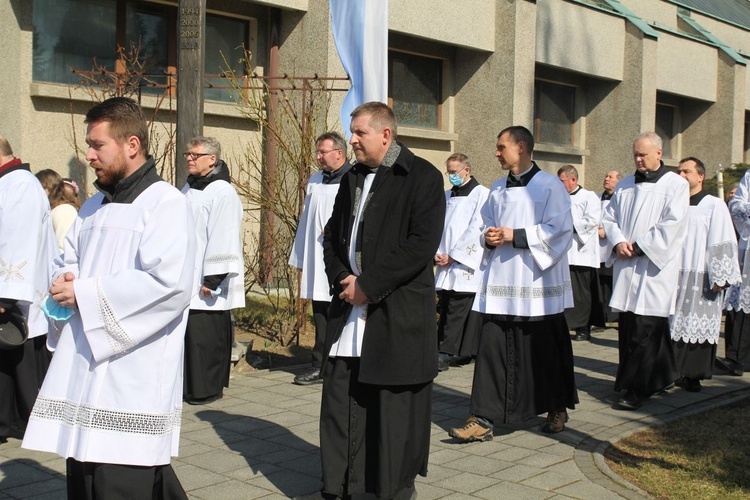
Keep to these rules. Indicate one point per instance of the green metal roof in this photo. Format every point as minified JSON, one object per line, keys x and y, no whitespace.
{"x":732,"y":11}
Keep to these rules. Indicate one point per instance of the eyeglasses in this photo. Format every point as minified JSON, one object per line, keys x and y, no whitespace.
{"x":323,"y":152}
{"x":195,"y":156}
{"x":447,"y":172}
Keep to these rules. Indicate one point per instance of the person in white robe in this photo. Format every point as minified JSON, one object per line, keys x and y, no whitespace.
{"x":524,"y":364}
{"x":709,"y":265}
{"x":457,"y":281}
{"x":112,"y":401}
{"x":220,"y":271}
{"x":645,"y":223}
{"x":736,"y":357}
{"x":605,"y":271}
{"x":27,"y":248}
{"x":307,"y":251}
{"x":583,"y":256}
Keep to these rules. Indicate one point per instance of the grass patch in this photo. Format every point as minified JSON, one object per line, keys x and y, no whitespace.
{"x":703,"y":456}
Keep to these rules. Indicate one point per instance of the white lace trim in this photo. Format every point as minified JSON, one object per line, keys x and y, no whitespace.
{"x":525,"y":292}
{"x":738,"y":296}
{"x":697,"y":317}
{"x":722,"y":263}
{"x":119,"y":339}
{"x":215,"y":259}
{"x":88,"y":417}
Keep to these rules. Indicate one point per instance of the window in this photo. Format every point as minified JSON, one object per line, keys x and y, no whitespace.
{"x":225,"y":42}
{"x":554,"y":113}
{"x":415,"y":89}
{"x":666,"y":128}
{"x":73,"y":33}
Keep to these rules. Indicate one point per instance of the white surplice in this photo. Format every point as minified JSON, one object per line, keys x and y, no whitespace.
{"x":709,"y":257}
{"x":587,"y":214}
{"x":738,"y":297}
{"x":654,"y":215}
{"x":307,"y":251}
{"x":463,"y":225}
{"x":217,"y":214}
{"x":532,"y":281}
{"x":27,"y":246}
{"x":113,"y":392}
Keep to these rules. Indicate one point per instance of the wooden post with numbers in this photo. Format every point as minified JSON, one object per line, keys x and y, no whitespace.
{"x":191,"y":20}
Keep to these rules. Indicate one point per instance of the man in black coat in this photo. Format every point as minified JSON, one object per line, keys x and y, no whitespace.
{"x":381,"y":341}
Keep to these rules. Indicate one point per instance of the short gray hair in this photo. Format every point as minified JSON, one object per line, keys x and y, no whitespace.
{"x":210,"y":144}
{"x":568,"y":170}
{"x":651,"y":136}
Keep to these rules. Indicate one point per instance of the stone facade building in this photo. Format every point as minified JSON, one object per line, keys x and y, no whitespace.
{"x":586,"y":76}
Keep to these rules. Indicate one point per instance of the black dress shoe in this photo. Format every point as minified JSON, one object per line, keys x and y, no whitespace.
{"x":692,"y":384}
{"x":582,"y":334}
{"x":204,"y":401}
{"x":309,"y":378}
{"x":730,"y":366}
{"x":443,"y":363}
{"x":630,"y":401}
{"x":460,"y":360}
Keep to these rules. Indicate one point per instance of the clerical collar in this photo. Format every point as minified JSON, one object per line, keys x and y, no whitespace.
{"x":607,"y":196}
{"x":466,"y":188}
{"x":697,"y":197}
{"x":575,"y":191}
{"x":649,"y":176}
{"x":334,"y":177}
{"x":128,"y":189}
{"x":523,"y":178}
{"x":220,"y":172}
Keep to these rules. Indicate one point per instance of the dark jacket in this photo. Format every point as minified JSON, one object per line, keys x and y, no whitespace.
{"x":400,"y":234}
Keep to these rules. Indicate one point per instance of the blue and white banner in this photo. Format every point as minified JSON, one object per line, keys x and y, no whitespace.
{"x":360,"y":30}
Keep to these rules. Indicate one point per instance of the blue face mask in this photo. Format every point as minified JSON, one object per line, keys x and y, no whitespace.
{"x":455,"y":179}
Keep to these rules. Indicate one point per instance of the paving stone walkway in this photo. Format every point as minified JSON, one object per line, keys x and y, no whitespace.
{"x":261,"y":440}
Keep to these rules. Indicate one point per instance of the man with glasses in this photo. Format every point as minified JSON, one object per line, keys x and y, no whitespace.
{"x":458,"y":259}
{"x":220,"y":285}
{"x":307,"y":252}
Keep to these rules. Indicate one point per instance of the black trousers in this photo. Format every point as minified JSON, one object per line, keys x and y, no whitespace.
{"x":208,"y":354}
{"x":320,"y":316}
{"x":737,"y":337}
{"x":96,"y":481}
{"x":22,"y":372}
{"x":459,"y":326}
{"x":695,"y":360}
{"x":587,"y":309}
{"x":605,"y":285}
{"x":523,"y":369}
{"x":647,"y":362}
{"x":373,"y":439}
